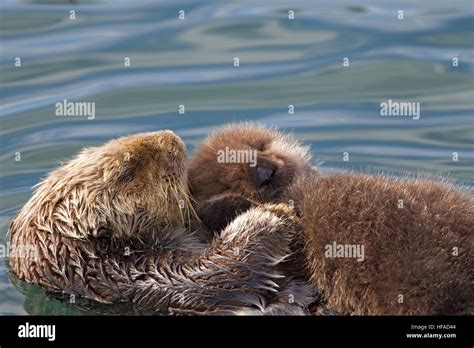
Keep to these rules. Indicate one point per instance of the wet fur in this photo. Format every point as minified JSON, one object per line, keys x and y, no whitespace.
{"x":408,"y":251}
{"x":124,"y":196}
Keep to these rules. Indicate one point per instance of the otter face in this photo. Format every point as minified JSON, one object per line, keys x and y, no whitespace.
{"x":128,"y":186}
{"x":278,"y":160}
{"x":147,"y":171}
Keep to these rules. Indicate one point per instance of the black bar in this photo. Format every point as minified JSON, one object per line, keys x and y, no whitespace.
{"x":291,"y":331}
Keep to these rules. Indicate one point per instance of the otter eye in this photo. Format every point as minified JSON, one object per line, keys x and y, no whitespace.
{"x":265,"y":174}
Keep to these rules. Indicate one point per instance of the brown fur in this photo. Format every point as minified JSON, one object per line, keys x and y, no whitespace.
{"x":407,"y":251}
{"x":208,"y":178}
{"x":108,"y":226}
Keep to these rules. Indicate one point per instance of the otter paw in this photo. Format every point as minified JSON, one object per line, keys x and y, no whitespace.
{"x":216,"y":213}
{"x":263,"y":235}
{"x":281,"y":210}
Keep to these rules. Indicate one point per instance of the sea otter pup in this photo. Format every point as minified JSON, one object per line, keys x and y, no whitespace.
{"x":111,"y":225}
{"x":280,"y":160}
{"x":374,"y":244}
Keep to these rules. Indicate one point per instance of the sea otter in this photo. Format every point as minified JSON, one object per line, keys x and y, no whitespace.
{"x":412,"y":239}
{"x":112,"y":225}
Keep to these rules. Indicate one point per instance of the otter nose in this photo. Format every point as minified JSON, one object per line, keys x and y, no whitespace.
{"x":265,"y":174}
{"x":172,"y":143}
{"x":168,"y":136}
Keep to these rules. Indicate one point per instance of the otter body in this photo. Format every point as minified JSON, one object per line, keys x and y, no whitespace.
{"x":417,"y":239}
{"x":112,"y":225}
{"x":417,"y":236}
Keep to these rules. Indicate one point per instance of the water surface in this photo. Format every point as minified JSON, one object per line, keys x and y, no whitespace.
{"x":190,"y":62}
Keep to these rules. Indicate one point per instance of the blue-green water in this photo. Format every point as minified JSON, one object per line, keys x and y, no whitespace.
{"x":190,"y":62}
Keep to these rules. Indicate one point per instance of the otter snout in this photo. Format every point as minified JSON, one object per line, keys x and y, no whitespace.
{"x":176,"y":145}
{"x":173,"y":152}
{"x":169,"y":142}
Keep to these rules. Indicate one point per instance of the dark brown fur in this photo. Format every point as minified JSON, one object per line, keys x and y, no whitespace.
{"x":408,"y":251}
{"x":208,"y":178}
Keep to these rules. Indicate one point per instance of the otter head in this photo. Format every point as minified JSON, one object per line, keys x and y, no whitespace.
{"x":128,"y":186}
{"x":248,"y":160}
{"x":145,"y":174}
{"x":240,"y":165}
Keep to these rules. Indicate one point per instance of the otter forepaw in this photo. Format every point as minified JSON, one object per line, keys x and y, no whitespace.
{"x":263,"y":234}
{"x":217,"y":212}
{"x":281,"y":210}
